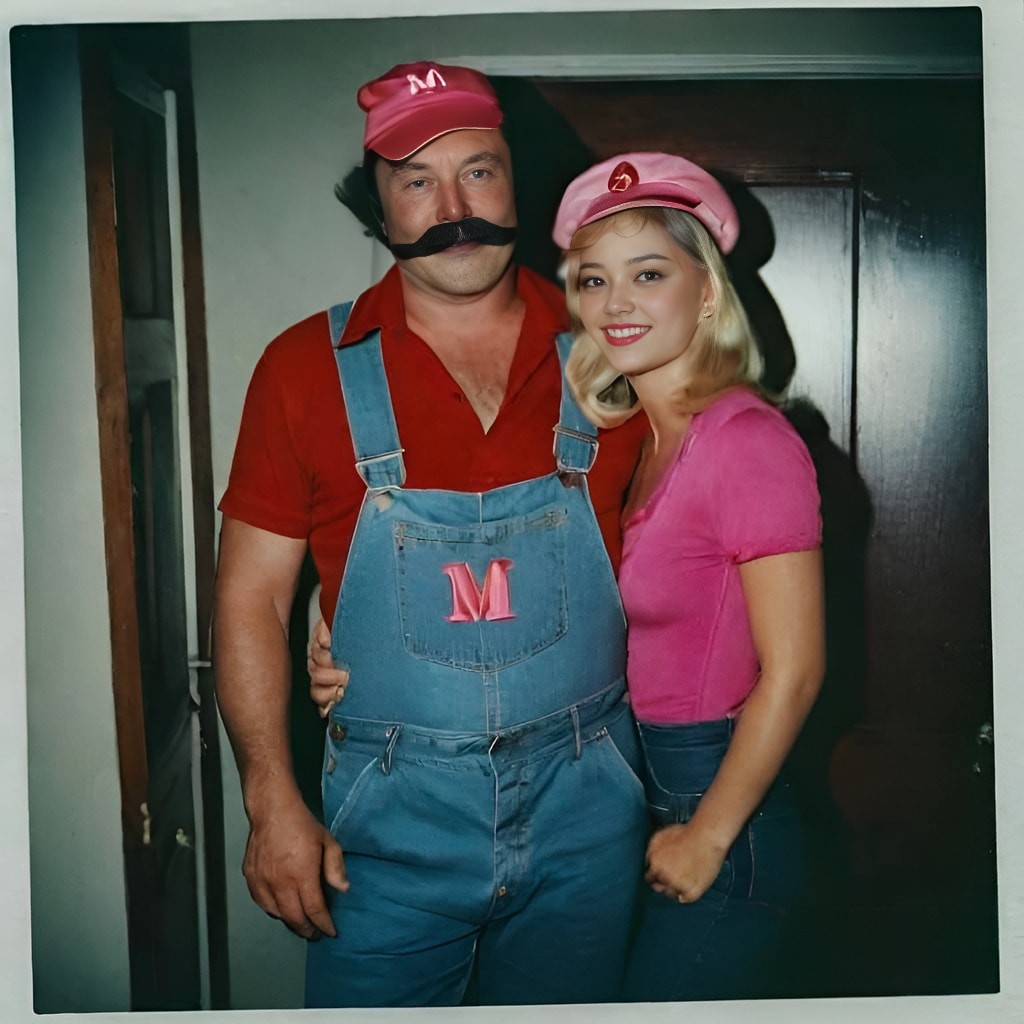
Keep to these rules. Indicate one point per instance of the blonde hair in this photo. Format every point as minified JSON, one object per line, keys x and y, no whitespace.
{"x":726,"y":347}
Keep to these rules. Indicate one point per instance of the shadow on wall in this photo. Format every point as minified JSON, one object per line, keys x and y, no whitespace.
{"x":810,"y":964}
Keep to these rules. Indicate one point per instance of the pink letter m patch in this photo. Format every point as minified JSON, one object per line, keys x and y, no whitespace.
{"x":471,"y":603}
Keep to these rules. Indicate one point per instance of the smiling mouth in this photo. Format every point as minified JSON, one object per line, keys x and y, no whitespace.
{"x":624,"y":334}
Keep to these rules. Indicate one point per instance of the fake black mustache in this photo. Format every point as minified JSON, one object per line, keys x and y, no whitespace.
{"x":444,"y":236}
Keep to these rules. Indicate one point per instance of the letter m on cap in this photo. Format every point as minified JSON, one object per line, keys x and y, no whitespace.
{"x":432,"y":81}
{"x":471,"y":603}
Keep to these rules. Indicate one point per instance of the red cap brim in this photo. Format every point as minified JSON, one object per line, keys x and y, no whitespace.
{"x":429,"y":121}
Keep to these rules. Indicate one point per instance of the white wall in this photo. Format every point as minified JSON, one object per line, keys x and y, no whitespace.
{"x":79,"y":927}
{"x":278,"y":125}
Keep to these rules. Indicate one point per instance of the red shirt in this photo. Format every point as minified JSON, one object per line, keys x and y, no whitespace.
{"x":294,"y":472}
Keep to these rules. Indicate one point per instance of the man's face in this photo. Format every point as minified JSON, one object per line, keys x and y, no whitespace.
{"x":462,"y":174}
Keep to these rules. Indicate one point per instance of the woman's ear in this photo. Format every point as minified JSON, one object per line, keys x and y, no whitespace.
{"x":708,"y":299}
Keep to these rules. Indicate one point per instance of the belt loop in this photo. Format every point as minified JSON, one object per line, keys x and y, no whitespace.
{"x":393,"y":732}
{"x":574,"y":714}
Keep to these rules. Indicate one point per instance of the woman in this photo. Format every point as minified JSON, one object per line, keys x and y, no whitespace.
{"x":721,"y":574}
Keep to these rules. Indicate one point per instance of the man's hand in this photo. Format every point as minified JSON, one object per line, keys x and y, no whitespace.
{"x":288,"y":857}
{"x":682,"y":862}
{"x":326,"y":683}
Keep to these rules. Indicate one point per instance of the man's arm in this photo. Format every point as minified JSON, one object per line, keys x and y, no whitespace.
{"x":289,"y":851}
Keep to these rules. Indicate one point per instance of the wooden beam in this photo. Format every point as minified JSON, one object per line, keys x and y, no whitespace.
{"x":112,"y":413}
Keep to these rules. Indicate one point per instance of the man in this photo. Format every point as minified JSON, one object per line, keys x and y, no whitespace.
{"x":479,"y":773}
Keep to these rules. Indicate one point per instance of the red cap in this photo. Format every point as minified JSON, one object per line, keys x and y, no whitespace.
{"x":413,"y":104}
{"x":646,"y":179}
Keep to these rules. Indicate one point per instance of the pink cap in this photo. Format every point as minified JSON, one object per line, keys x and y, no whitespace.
{"x":646,"y":179}
{"x":413,"y":104}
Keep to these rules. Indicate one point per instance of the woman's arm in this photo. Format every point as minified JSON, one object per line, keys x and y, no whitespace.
{"x":785,"y":603}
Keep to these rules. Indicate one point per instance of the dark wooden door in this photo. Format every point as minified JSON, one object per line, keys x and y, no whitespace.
{"x":157,"y":506}
{"x":862,"y":260}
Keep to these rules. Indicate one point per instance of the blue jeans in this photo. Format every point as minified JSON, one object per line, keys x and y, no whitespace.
{"x":458,"y":847}
{"x":728,"y":944}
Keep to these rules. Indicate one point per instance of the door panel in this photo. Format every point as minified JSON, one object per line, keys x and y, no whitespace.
{"x":160,"y":560}
{"x":164,"y":951}
{"x":153,"y":411}
{"x":922,"y":440}
{"x":813,"y":256}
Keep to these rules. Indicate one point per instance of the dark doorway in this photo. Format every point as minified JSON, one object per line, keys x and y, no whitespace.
{"x":862,"y":259}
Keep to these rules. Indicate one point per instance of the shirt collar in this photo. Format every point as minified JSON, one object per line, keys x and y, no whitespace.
{"x":382,"y":307}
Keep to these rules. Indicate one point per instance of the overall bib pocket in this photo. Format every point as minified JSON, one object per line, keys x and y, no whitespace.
{"x":482,"y":596}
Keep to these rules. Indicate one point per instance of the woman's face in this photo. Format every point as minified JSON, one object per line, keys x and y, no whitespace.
{"x":641,"y":297}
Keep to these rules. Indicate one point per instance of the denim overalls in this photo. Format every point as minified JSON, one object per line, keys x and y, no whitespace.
{"x":481,"y":773}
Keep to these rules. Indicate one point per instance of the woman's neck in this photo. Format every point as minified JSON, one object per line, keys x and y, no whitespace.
{"x":670,"y":396}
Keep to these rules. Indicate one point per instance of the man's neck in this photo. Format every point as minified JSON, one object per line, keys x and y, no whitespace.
{"x":429,"y":312}
{"x":474,"y":337}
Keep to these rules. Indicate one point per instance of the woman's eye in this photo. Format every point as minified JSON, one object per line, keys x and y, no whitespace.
{"x":590,"y":282}
{"x":649,"y":275}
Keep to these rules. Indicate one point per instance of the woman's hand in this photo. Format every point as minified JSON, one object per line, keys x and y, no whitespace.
{"x":326,"y":683}
{"x":682,"y":862}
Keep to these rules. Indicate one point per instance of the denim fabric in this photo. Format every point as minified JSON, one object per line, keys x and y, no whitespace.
{"x":482,"y":774}
{"x":522,"y":847}
{"x":728,"y":944}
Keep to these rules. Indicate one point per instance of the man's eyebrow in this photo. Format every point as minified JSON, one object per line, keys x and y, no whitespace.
{"x":407,"y":165}
{"x":484,"y":156}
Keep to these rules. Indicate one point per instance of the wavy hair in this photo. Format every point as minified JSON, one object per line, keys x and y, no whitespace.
{"x":726,"y":347}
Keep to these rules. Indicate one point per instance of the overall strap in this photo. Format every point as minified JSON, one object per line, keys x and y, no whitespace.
{"x":371,"y":418}
{"x":575,"y":436}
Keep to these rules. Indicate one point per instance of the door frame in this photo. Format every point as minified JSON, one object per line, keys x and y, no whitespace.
{"x":98,"y":81}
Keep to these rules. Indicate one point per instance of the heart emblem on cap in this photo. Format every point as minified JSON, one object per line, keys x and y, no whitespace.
{"x":624,"y":176}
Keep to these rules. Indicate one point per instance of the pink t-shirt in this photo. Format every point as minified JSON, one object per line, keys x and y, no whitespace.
{"x":743,"y":487}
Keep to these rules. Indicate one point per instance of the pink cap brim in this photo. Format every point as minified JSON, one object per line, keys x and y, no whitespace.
{"x":641,"y":196}
{"x":633,"y":180}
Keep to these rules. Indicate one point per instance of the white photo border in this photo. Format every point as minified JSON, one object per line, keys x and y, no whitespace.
{"x":1003,"y":71}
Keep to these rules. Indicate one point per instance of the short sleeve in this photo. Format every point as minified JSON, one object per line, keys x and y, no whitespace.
{"x":764,"y":487}
{"x":269,"y":487}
